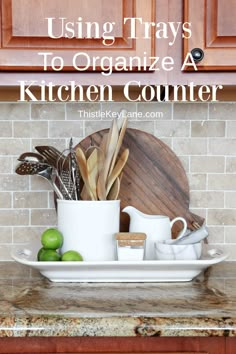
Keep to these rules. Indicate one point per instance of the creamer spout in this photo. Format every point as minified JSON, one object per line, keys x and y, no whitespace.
{"x":130,"y":210}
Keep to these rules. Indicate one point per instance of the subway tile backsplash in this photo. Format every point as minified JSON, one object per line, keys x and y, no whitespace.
{"x":203,"y":135}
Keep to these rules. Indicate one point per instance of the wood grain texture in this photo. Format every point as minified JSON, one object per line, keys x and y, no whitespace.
{"x":231,"y":345}
{"x":24,"y":32}
{"x":154,"y":180}
{"x":138,"y":345}
{"x":214,"y":31}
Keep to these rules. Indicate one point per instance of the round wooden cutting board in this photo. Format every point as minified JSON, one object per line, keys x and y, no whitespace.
{"x":154,"y":180}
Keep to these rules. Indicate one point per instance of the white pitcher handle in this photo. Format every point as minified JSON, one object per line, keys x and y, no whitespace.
{"x":179,"y":218}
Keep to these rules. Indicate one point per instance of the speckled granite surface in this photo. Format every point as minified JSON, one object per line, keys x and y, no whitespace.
{"x":30,"y":305}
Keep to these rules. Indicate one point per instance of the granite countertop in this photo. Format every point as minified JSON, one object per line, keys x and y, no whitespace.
{"x":30,"y":305}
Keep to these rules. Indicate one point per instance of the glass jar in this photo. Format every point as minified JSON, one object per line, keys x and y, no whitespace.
{"x":130,"y":246}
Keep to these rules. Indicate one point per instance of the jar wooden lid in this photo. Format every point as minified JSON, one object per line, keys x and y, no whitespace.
{"x":130,"y":236}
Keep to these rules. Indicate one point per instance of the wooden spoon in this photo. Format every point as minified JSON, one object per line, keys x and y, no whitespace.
{"x":101,"y":188}
{"x":103,"y":143}
{"x":112,"y":140}
{"x":89,"y":151}
{"x":92,"y":168}
{"x":119,"y":143}
{"x":114,"y":191}
{"x":82,"y":163}
{"x":117,"y":169}
{"x":107,"y":146}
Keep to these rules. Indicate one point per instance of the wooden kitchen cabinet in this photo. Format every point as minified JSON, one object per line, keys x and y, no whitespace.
{"x":231,"y":345}
{"x":26,"y":32}
{"x":213,"y":31}
{"x":127,"y":345}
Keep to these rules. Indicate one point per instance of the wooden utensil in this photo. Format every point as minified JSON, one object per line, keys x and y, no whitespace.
{"x":101,"y":183}
{"x":117,"y":169}
{"x":89,"y":151}
{"x":114,"y":190}
{"x":82,"y":163}
{"x":95,"y":174}
{"x":111,"y":145}
{"x":119,"y":144}
{"x":92,"y":168}
{"x":154,"y":180}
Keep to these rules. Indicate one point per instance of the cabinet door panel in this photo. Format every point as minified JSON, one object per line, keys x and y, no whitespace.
{"x":214,"y":31}
{"x":230,"y":345}
{"x":25,"y":31}
{"x":25,"y":22}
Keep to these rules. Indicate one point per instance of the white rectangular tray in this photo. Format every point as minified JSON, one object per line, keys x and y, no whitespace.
{"x":116,"y":271}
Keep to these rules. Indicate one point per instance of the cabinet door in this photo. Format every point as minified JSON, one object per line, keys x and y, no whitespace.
{"x":214,"y":31}
{"x":79,"y":28}
{"x":230,"y":345}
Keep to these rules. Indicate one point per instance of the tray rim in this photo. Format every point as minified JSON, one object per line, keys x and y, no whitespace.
{"x":22,"y":254}
{"x":155,"y":271}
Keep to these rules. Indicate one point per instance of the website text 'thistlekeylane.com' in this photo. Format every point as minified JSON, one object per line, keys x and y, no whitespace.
{"x":106,"y":114}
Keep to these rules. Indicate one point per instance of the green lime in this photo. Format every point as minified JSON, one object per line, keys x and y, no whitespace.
{"x":71,"y":255}
{"x":40,"y":252}
{"x":45,"y":255}
{"x":52,"y":239}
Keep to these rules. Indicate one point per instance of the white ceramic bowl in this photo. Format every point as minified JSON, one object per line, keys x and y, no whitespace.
{"x":164,"y":251}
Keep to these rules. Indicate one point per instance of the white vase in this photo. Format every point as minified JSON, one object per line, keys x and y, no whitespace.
{"x":89,"y":227}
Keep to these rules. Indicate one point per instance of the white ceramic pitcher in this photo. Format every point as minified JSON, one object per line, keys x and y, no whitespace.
{"x":156,"y":227}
